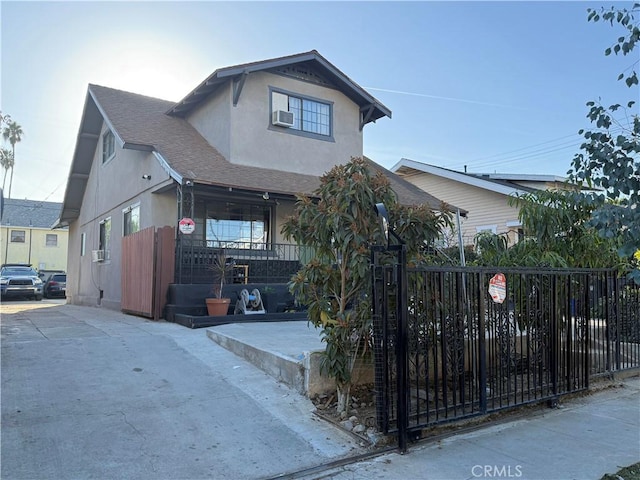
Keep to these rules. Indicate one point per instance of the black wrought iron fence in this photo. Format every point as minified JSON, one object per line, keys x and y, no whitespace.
{"x":252,"y":262}
{"x":466,"y":354}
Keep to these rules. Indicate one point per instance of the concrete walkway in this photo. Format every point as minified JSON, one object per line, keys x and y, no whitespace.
{"x":92,"y":393}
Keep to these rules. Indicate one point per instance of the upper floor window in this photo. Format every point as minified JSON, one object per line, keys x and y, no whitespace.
{"x":51,"y":240}
{"x":310,"y":115}
{"x":131,"y":220}
{"x":83,"y":243}
{"x":108,"y":146}
{"x":17,"y":236}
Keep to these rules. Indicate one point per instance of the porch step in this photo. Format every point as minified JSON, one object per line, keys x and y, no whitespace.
{"x":288,"y":351}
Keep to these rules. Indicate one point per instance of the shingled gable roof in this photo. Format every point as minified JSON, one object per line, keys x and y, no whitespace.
{"x":139,"y":119}
{"x":142,"y":123}
{"x":311,"y":63}
{"x":29,"y":213}
{"x":480,"y":181}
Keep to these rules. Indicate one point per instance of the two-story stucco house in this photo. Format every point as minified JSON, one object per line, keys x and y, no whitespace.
{"x":26,"y":235}
{"x":221,"y":168}
{"x":485,"y":196}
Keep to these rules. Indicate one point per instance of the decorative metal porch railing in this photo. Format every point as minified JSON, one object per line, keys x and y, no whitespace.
{"x":252,"y":262}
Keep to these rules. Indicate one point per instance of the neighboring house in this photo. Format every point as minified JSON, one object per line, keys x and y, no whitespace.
{"x":230,"y":156}
{"x":485,"y":196}
{"x":27,"y":235}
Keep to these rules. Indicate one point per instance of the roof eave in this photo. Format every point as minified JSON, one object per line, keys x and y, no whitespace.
{"x":457,"y":176}
{"x":351,"y":89}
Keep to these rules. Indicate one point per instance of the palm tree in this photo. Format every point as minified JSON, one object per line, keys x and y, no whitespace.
{"x":6,"y":162}
{"x":12,"y":132}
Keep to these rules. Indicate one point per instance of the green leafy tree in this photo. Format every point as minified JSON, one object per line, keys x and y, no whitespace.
{"x":338,"y":225}
{"x":558,"y":233}
{"x":610,"y":157}
{"x":13,"y":133}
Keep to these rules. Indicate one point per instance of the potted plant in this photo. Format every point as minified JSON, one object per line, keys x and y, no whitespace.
{"x":221,"y":267}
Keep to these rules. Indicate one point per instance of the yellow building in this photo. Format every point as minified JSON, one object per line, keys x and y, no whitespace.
{"x":27,"y":237}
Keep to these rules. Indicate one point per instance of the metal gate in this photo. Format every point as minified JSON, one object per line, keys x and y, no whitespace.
{"x":147,"y":270}
{"x":445,"y":350}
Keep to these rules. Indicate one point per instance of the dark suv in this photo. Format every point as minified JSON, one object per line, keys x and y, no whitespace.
{"x":56,"y":286}
{"x":20,"y":281}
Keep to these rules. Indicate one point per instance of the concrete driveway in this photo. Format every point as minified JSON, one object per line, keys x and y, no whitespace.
{"x":93,"y":393}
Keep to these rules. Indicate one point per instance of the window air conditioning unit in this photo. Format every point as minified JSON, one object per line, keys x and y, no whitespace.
{"x":283,"y":118}
{"x":97,"y":256}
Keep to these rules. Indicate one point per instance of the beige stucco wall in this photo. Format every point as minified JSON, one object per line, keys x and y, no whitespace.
{"x":112,"y":187}
{"x":485,"y":208}
{"x":244,"y":134}
{"x":212,"y":120}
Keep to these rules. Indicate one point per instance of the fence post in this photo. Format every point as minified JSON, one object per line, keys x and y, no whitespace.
{"x":587,"y":337}
{"x":616,"y":316}
{"x":554,"y":340}
{"x":402,"y":345}
{"x":482,"y":347}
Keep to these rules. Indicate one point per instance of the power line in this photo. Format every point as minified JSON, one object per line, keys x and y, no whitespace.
{"x":529,"y":152}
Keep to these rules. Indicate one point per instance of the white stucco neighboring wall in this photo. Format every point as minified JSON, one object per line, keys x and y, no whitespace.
{"x":245,"y":135}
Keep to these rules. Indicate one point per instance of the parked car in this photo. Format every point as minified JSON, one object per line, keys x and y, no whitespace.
{"x":20,"y":280}
{"x":56,"y":286}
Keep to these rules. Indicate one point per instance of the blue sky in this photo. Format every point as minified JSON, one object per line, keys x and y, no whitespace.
{"x":497,"y":86}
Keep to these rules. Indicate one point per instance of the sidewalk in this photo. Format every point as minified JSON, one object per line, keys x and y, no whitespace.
{"x":585,"y":438}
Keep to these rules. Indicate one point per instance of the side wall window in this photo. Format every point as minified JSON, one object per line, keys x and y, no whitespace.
{"x":131,"y":220}
{"x":51,"y":240}
{"x":108,"y":146}
{"x":105,"y":237}
{"x":17,"y":236}
{"x":83,"y":244}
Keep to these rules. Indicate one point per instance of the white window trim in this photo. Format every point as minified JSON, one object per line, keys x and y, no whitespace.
{"x":24,"y":236}
{"x":113,"y":154}
{"x":107,"y":251}
{"x":487,"y":228}
{"x":127,"y":210}
{"x":46,"y":243}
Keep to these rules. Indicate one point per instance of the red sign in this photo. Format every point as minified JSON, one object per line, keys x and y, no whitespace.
{"x":187,"y":226}
{"x":498,"y":288}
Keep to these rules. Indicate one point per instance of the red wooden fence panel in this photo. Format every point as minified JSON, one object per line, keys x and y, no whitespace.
{"x":138,"y":260}
{"x":164,"y":267}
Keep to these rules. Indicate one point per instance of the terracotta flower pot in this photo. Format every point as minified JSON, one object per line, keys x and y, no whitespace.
{"x":217,"y":306}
